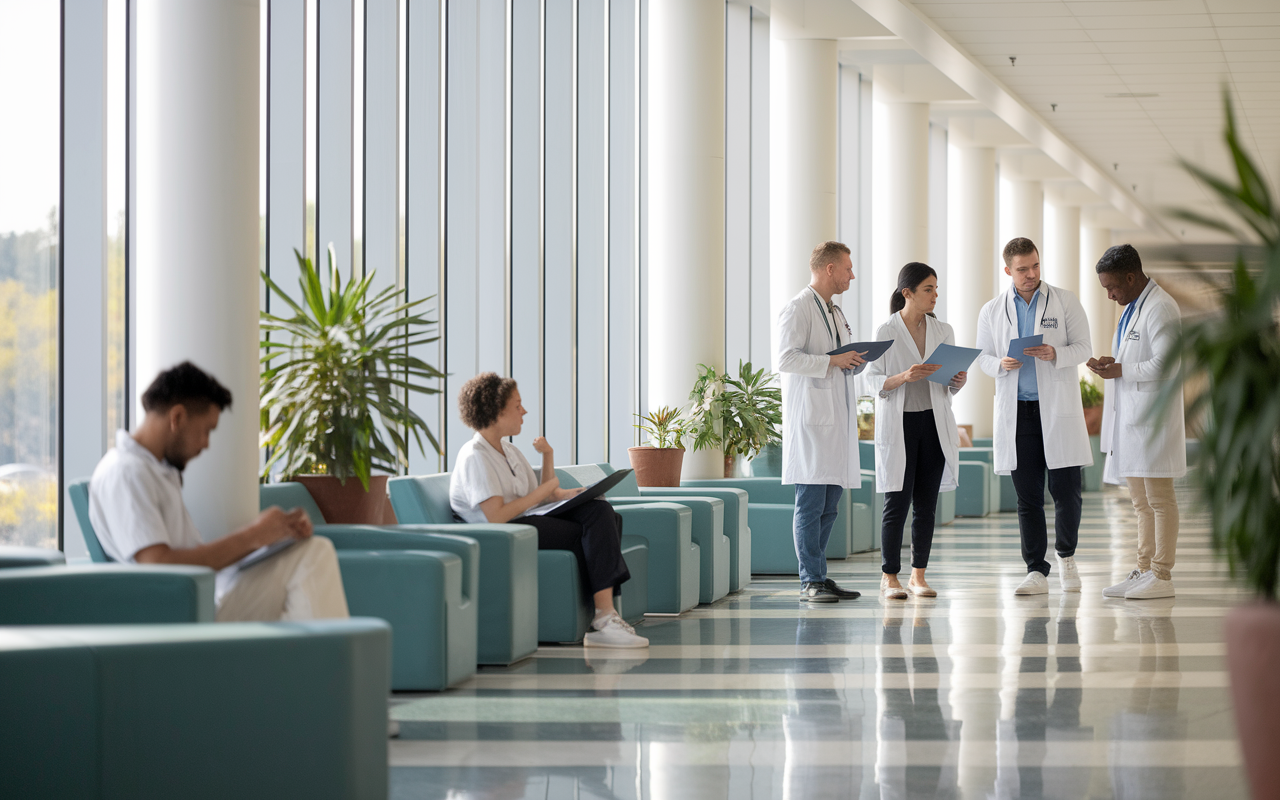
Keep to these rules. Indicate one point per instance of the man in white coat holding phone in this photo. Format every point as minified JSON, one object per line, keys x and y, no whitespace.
{"x":1144,"y":449}
{"x":1039,"y":419}
{"x":819,"y":414}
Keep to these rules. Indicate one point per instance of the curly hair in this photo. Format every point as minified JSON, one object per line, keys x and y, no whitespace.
{"x":1121,"y":258}
{"x":481,"y":399}
{"x":185,"y":385}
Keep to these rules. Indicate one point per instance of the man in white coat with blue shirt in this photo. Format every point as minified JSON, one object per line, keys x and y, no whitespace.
{"x":1146,"y":446}
{"x":819,"y":414}
{"x":1039,"y":419}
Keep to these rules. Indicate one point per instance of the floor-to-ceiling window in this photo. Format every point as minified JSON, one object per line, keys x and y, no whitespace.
{"x":30,"y":36}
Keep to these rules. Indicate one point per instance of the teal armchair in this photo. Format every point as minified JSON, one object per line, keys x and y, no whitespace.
{"x":674,"y":578}
{"x":15,"y":556}
{"x":1003,"y":496}
{"x":255,"y":711}
{"x":102,"y":594}
{"x":719,"y":529}
{"x":538,"y":594}
{"x":423,"y":584}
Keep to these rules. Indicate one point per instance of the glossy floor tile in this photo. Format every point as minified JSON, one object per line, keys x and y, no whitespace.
{"x":976,"y":694}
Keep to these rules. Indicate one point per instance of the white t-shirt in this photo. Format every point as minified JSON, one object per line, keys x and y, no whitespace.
{"x":482,"y":472}
{"x":135,"y":501}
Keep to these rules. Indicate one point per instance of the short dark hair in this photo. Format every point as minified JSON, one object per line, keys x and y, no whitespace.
{"x":1020,"y":246}
{"x":826,"y":253}
{"x":1121,"y":258}
{"x":185,"y":385}
{"x":481,"y":399}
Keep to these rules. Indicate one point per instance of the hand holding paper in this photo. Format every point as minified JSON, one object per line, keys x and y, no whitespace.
{"x":951,"y":360}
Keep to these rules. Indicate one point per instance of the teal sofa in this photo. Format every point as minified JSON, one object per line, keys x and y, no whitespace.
{"x":101,"y":594}
{"x":420,"y":593}
{"x":433,"y":617}
{"x":545,"y":586}
{"x":1004,"y":495}
{"x":719,"y":528}
{"x":255,"y":711}
{"x":16,"y":556}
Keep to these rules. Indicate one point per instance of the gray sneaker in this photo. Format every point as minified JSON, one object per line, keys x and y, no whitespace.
{"x":815,"y":592}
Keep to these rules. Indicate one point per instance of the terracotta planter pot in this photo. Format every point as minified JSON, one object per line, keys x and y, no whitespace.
{"x":656,"y":466}
{"x":1093,"y":420}
{"x":349,"y":504}
{"x":1253,"y":654}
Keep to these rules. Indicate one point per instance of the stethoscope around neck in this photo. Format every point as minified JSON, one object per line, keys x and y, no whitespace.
{"x":1043,"y":311}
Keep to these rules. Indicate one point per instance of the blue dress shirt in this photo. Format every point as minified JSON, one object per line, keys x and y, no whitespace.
{"x":1027,"y":388}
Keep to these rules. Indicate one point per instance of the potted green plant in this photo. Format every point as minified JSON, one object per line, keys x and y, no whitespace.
{"x":659,"y":462}
{"x":334,"y":390}
{"x":1238,"y":352}
{"x":1091,"y":398}
{"x":737,"y":415}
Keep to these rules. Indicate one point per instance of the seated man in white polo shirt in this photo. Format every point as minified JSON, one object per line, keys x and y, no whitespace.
{"x":136,"y":507}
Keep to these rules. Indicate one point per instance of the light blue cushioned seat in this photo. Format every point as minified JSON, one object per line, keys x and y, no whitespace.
{"x":254,"y":711}
{"x":539,"y":594}
{"x":975,"y":495}
{"x":16,"y":556}
{"x":1092,"y":477}
{"x":420,"y":593}
{"x":736,"y":526}
{"x":1003,"y":496}
{"x":710,"y":520}
{"x":424,"y":586}
{"x":98,"y":594}
{"x":771,"y":510}
{"x":674,"y":558}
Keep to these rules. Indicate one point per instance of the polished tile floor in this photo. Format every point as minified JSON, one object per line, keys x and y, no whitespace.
{"x":977,"y":694}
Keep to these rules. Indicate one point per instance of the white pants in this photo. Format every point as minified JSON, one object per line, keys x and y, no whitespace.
{"x":302,"y":582}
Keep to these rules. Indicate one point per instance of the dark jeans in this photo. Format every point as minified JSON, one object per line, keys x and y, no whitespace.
{"x":1028,"y":480}
{"x":920,"y":481}
{"x":816,"y":507}
{"x":593,"y":531}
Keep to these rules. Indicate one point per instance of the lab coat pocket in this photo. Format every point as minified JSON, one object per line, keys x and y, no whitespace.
{"x":818,"y":408}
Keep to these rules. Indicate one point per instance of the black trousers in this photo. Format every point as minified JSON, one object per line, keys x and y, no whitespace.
{"x":593,"y":531}
{"x":920,"y":481}
{"x":1028,"y":481}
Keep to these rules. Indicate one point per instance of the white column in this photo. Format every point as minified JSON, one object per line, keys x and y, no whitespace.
{"x":904,"y":186}
{"x":971,"y":252}
{"x":686,"y":203}
{"x":197,"y":207}
{"x":1061,"y":263}
{"x":1100,"y":310}
{"x":803,"y":163}
{"x":1026,"y":217}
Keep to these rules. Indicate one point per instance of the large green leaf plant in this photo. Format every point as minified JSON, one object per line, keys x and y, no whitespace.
{"x":336,"y":376}
{"x":737,"y":415}
{"x":1238,"y":351}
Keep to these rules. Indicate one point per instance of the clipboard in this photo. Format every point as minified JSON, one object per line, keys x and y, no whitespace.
{"x":1016,"y":347}
{"x":951,"y":360}
{"x":873,"y":351}
{"x":588,"y":494}
{"x":265,"y":552}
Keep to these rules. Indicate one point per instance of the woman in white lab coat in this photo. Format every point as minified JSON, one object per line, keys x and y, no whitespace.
{"x":917,"y":445}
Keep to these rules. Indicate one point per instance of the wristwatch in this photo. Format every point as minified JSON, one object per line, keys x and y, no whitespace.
{"x":884,"y":395}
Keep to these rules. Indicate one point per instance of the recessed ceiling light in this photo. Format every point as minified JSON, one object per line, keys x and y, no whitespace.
{"x":1132,"y":94}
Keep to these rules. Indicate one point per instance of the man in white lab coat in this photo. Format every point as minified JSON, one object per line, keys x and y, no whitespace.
{"x":1146,"y":450}
{"x":1039,"y":419}
{"x":819,"y":414}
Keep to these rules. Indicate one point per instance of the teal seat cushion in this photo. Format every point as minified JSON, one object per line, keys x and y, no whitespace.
{"x":100,"y":594}
{"x":244,"y":710}
{"x":15,"y":556}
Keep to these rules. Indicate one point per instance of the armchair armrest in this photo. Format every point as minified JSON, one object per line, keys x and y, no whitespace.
{"x":759,"y":490}
{"x":376,"y":537}
{"x":106,"y":594}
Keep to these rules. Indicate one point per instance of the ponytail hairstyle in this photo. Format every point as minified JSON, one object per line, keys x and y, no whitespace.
{"x":910,"y":276}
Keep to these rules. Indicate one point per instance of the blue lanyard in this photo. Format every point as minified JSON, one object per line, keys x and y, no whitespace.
{"x":1124,"y":320}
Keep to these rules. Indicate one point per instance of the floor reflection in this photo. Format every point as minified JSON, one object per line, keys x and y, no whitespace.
{"x":817,"y":715}
{"x":1151,"y":713}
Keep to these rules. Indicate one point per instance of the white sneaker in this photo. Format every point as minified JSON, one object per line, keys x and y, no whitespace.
{"x":1034,"y":583}
{"x":1150,"y":588}
{"x":613,"y":632}
{"x":1068,"y":574}
{"x":1130,"y":581}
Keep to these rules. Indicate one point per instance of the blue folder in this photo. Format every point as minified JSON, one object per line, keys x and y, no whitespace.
{"x":872,"y":350}
{"x":951,"y":360}
{"x":1018,"y":345}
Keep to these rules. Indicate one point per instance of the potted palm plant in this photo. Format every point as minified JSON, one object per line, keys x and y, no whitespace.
{"x":659,"y":462}
{"x":1238,"y":352}
{"x":335,"y":381}
{"x":1091,"y":398}
{"x":737,"y":415}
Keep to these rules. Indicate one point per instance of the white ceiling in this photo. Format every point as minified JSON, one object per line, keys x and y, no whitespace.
{"x":1081,"y":54}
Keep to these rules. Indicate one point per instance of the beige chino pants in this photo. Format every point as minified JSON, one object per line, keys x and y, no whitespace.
{"x":300,"y":583}
{"x":1157,"y":510}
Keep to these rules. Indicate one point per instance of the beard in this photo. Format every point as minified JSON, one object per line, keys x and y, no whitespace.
{"x":176,"y":459}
